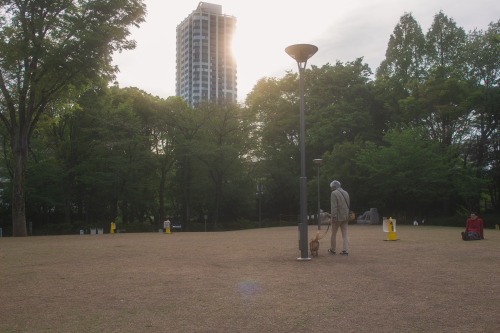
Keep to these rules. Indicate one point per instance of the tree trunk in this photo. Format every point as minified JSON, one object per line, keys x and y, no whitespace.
{"x":67,"y":200}
{"x":20,"y":150}
{"x":161,"y":194}
{"x":186,"y":189}
{"x":218,"y":187}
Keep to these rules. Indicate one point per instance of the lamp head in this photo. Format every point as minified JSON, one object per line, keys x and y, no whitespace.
{"x":301,"y":52}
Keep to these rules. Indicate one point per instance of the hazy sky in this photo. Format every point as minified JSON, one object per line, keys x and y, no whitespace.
{"x":342,"y":30}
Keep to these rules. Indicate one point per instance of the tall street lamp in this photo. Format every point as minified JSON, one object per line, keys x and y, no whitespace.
{"x":301,"y":53}
{"x":318,"y":161}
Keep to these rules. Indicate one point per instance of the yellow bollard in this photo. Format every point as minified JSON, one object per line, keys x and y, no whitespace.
{"x":166,"y":225}
{"x":496,"y":226}
{"x":389,"y":226}
{"x":392,"y":234}
{"x":112,"y":230}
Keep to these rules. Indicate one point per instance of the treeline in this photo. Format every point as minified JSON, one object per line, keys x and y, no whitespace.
{"x":421,"y":139}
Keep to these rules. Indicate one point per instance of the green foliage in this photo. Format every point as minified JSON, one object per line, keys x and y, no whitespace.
{"x":444,"y":99}
{"x":222,"y":147}
{"x":445,"y":45}
{"x":50,"y":51}
{"x":404,"y":58}
{"x":340,"y":164}
{"x":275,"y":104}
{"x":412,"y":173}
{"x":422,"y":139}
{"x":341,"y":106}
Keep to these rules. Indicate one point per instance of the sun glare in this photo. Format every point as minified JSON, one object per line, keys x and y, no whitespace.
{"x":261,"y":37}
{"x":258,"y":54}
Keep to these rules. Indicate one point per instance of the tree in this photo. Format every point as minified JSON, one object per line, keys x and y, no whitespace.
{"x":49,"y":51}
{"x":275,"y":105}
{"x":223,"y":149}
{"x":483,"y":74}
{"x":411,"y":173}
{"x":184,"y":127}
{"x":404,"y":57}
{"x":445,"y":46}
{"x":342,"y":113}
{"x":440,"y":100}
{"x":403,"y":68}
{"x":163,"y":146}
{"x":340,"y":106}
{"x":483,"y":56}
{"x":442,"y":106}
{"x":340,"y":163}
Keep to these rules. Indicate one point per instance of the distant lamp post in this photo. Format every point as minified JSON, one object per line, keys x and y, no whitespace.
{"x":318,"y":161}
{"x":260,"y":193}
{"x":301,"y":53}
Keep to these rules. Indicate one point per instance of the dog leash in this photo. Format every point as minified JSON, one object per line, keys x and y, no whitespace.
{"x":326,"y":230}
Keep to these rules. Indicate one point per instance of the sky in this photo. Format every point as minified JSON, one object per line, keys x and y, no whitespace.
{"x":342,"y":31}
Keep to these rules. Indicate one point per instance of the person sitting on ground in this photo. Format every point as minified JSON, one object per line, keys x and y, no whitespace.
{"x":473,"y":228}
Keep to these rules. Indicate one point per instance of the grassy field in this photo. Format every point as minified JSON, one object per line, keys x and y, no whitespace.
{"x":429,"y":280}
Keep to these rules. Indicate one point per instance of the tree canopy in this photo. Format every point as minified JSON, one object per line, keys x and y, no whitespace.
{"x":420,"y":138}
{"x":49,"y":51}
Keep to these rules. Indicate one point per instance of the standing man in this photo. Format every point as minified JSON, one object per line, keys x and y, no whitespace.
{"x":340,"y":203}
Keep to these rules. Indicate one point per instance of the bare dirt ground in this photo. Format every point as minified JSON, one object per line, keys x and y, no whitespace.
{"x":251,"y":281}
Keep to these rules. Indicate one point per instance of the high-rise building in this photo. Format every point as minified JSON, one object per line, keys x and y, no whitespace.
{"x":206,"y":68}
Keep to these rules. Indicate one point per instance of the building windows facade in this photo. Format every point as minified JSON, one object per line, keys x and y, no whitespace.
{"x":205,"y":65}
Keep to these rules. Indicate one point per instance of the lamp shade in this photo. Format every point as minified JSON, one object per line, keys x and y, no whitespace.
{"x":301,"y":52}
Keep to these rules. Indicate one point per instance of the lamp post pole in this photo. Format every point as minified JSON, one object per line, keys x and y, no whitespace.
{"x":301,"y":53}
{"x":318,"y":163}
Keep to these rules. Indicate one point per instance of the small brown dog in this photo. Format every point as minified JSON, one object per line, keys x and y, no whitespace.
{"x":314,"y":245}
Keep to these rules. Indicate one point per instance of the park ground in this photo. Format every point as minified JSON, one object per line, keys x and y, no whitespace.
{"x":428,"y":280}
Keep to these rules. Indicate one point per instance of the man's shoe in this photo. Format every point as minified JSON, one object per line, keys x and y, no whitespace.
{"x":344,"y":253}
{"x":332,"y":252}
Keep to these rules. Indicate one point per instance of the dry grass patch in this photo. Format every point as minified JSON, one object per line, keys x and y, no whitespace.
{"x":249,"y":281}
